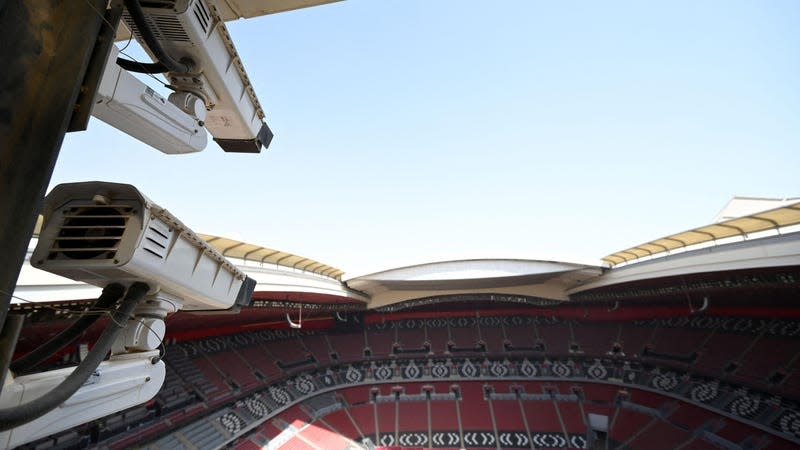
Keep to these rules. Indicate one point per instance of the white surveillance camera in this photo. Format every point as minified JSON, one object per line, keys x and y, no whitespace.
{"x":127,"y":104}
{"x":193,"y":31}
{"x":99,"y":233}
{"x":102,"y":234}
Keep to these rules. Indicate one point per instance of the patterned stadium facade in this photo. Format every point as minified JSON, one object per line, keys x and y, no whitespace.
{"x":494,"y":391}
{"x":482,"y":378}
{"x":699,"y":350}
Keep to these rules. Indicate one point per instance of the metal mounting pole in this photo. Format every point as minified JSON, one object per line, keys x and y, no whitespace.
{"x":8,"y":342}
{"x":45,"y":47}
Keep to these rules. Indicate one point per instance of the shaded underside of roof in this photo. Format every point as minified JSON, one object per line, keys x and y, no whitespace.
{"x":245,"y":9}
{"x":772,"y":219}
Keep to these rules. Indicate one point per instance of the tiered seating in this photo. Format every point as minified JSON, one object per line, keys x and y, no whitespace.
{"x":441,"y":387}
{"x":386,"y":413}
{"x":236,"y":368}
{"x":767,"y":355}
{"x":634,"y":339}
{"x":494,"y":339}
{"x":168,"y":442}
{"x":289,"y":354}
{"x":595,"y":392}
{"x":180,"y":415}
{"x":520,"y":336}
{"x":508,"y":415}
{"x":443,"y":415}
{"x":203,"y":434}
{"x":791,"y":385}
{"x":319,"y":405}
{"x":211,"y":373}
{"x":595,"y":338}
{"x":364,"y":417}
{"x":464,"y":337}
{"x":556,"y":337}
{"x":560,"y":387}
{"x":349,"y":347}
{"x":646,"y":398}
{"x":294,"y":414}
{"x":438,"y":338}
{"x":721,"y":349}
{"x":260,"y":439}
{"x":699,"y":444}
{"x":381,"y":342}
{"x":71,"y":439}
{"x":318,"y":346}
{"x":541,"y":415}
{"x":474,"y":409}
{"x":773,"y":443}
{"x":247,"y":444}
{"x":208,"y":373}
{"x":690,"y":417}
{"x":602,"y":409}
{"x":659,"y":435}
{"x":176,"y":360}
{"x":355,"y":396}
{"x":173,"y":394}
{"x":734,"y":431}
{"x":269,"y":430}
{"x":410,"y":338}
{"x":505,"y":387}
{"x":413,"y":415}
{"x":409,"y":413}
{"x":626,"y":422}
{"x":261,"y":361}
{"x":678,"y":342}
{"x":341,"y":422}
{"x":129,"y":419}
{"x":573,"y":418}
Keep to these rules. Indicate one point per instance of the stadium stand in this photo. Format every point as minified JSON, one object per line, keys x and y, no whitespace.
{"x":266,"y":388}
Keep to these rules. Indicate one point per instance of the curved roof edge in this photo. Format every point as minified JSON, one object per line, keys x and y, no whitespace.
{"x":741,"y":227}
{"x":388,"y":269}
{"x":232,"y":248}
{"x":532,"y":278}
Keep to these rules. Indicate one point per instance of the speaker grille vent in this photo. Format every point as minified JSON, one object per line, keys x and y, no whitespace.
{"x":165,"y":26}
{"x":90,"y":232}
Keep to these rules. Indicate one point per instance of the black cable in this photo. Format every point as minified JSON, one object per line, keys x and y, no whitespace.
{"x":18,"y":415}
{"x":108,"y":298}
{"x":130,"y":39}
{"x":150,"y":74}
{"x":137,"y":14}
{"x":138,"y":67}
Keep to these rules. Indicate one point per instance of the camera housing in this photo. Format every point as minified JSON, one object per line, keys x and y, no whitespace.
{"x":193,"y":30}
{"x":99,"y":233}
{"x":127,"y":104}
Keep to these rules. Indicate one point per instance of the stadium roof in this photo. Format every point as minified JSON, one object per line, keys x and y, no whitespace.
{"x":542,"y":279}
{"x":772,"y":219}
{"x":231,"y":248}
{"x":245,"y":9}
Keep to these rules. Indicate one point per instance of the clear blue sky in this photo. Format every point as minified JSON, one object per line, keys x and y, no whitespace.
{"x":410,"y":131}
